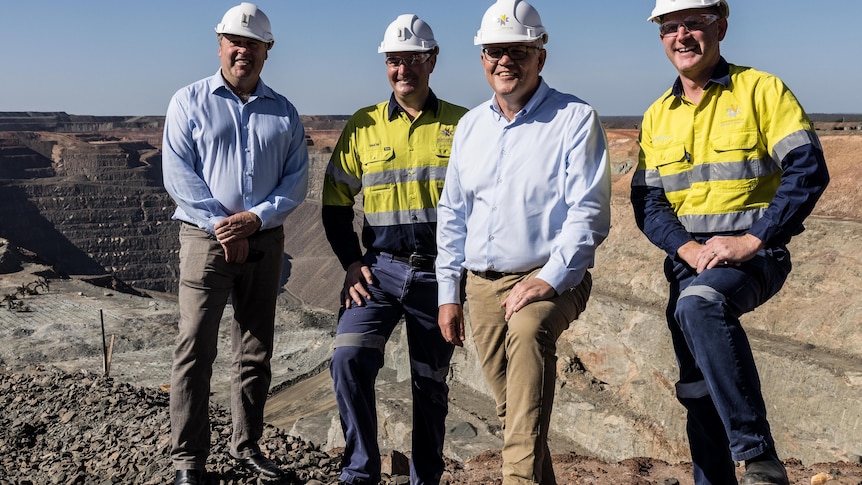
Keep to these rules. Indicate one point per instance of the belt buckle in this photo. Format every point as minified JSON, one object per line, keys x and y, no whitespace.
{"x":414,"y":260}
{"x":419,"y":261}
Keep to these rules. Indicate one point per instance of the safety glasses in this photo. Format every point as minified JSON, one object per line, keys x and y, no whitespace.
{"x":695,"y":22}
{"x":396,"y":61}
{"x":515,"y":52}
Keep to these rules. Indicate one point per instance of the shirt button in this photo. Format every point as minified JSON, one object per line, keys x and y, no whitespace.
{"x":490,"y":238}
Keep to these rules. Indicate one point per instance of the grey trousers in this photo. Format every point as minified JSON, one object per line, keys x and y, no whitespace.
{"x":207,"y":283}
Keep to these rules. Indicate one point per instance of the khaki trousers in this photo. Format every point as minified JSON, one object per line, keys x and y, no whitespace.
{"x":519,"y":362}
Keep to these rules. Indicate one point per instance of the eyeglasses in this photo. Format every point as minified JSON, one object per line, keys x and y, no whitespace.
{"x":515,"y":52}
{"x":695,"y":22}
{"x":396,"y":61}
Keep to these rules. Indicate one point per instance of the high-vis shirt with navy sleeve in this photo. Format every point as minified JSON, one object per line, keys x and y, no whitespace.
{"x":744,"y":160}
{"x":398,"y":165}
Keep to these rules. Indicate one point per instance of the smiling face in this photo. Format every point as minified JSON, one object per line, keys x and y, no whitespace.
{"x":241,"y":59}
{"x":514,"y":81}
{"x":411,"y":76}
{"x":694,"y":53}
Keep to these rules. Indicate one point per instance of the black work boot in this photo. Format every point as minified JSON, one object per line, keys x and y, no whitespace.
{"x":764,"y":469}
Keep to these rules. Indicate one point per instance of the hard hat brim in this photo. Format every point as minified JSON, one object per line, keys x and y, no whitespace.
{"x":658,"y":13}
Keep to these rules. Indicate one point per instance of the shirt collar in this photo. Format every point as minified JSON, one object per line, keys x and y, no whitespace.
{"x":534,"y":101}
{"x":720,"y":75}
{"x":217,"y":82}
{"x":431,"y":104}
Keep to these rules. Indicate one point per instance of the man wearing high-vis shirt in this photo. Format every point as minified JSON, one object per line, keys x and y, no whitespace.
{"x":395,"y":155}
{"x":729,"y":168}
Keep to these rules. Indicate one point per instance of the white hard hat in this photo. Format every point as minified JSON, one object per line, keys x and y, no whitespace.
{"x":510,"y":21}
{"x":407,"y":33}
{"x":663,"y":7}
{"x":246,"y":20}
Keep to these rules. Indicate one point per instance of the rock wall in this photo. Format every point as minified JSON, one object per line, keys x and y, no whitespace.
{"x":86,"y":192}
{"x":89,"y":207}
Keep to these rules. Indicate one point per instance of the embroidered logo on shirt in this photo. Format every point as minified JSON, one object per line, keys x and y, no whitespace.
{"x":503,"y":20}
{"x":733,"y":111}
{"x":446,"y":133}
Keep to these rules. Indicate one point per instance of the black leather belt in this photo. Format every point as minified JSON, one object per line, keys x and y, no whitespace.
{"x":496,"y":275}
{"x":422,"y":262}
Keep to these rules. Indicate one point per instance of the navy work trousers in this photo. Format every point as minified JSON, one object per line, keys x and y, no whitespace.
{"x":719,"y":384}
{"x":398,"y":290}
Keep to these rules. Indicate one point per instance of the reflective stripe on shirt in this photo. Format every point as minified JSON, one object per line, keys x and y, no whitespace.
{"x":398,"y":166}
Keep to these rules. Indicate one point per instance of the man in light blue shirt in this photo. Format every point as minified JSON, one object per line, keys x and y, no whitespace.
{"x":235,"y":162}
{"x":525,"y":203}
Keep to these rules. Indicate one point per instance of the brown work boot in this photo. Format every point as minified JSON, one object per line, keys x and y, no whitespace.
{"x":764,"y":469}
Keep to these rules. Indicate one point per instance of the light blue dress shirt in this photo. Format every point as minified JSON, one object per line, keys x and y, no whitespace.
{"x":221,"y":156}
{"x":529,"y":193}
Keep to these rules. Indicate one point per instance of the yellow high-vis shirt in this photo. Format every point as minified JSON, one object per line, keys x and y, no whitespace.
{"x":398,"y":165}
{"x":719,"y":163}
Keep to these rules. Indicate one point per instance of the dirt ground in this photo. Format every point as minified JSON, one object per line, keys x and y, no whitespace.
{"x":583,"y":470}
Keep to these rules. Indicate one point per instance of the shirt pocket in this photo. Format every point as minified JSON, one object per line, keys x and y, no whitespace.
{"x":441,"y":153}
{"x":671,"y":160}
{"x":726,"y":145}
{"x":378,"y":179}
{"x":443,"y":150}
{"x":738,"y":154}
{"x":378,"y":160}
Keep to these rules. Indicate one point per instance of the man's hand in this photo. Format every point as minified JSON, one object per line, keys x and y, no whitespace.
{"x":238,"y":226}
{"x":450,"y":319}
{"x":356,"y":283}
{"x":236,"y":251}
{"x":720,"y":251}
{"x":526,"y":292}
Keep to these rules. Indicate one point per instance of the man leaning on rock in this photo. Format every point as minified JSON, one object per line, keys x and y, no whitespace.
{"x":729,"y":168}
{"x":236,"y":164}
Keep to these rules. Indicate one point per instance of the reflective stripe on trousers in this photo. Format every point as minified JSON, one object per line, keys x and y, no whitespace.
{"x":719,"y":384}
{"x":398,"y":291}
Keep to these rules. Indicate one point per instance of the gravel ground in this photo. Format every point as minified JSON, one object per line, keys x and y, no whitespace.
{"x":82,"y":428}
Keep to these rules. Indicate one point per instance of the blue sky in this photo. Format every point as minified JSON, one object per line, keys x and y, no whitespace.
{"x":101,"y":57}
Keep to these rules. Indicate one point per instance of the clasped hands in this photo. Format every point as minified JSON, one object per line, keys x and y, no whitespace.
{"x":232,"y":233}
{"x":720,"y":251}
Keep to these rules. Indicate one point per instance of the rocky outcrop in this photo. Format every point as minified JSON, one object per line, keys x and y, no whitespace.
{"x":616,"y":369}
